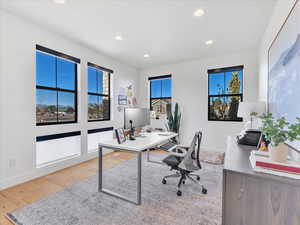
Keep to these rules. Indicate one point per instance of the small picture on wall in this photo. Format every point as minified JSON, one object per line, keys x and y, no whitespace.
{"x":120,"y":135}
{"x":122,"y":100}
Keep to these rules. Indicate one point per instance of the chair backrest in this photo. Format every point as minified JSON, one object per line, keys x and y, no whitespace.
{"x":191,"y":160}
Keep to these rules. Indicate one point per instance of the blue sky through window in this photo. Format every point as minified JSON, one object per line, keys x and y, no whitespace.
{"x":66,"y":99}
{"x":65,"y":74}
{"x":219,"y":82}
{"x":95,"y":80}
{"x":161,"y":88}
{"x":45,"y":70}
{"x":45,"y":97}
{"x":54,"y":72}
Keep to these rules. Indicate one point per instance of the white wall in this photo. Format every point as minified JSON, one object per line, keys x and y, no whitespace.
{"x":190,"y":88}
{"x":17,"y":96}
{"x":279,"y":15}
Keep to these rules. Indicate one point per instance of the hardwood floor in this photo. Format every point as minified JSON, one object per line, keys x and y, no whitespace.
{"x":34,"y":190}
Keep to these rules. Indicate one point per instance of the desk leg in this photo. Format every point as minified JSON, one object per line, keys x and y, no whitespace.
{"x":100,"y":162}
{"x":152,"y":161}
{"x":139,"y":179}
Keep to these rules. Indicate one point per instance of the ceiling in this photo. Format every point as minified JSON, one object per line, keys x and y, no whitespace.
{"x":167,"y":30}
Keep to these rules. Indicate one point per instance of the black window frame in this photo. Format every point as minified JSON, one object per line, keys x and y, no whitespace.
{"x":110,"y":72}
{"x":76,"y":61}
{"x":224,"y":70}
{"x":158,"y":78}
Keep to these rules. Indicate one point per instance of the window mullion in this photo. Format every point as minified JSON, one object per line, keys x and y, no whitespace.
{"x":57,"y":90}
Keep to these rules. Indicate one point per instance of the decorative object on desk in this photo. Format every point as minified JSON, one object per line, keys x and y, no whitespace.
{"x":120,"y":135}
{"x":250,"y":112}
{"x":249,"y":137}
{"x":263,"y":144}
{"x":122,"y":99}
{"x":173,"y":120}
{"x":277,"y":132}
{"x":284,"y":71}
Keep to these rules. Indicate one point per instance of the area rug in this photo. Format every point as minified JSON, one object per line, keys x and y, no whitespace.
{"x":82,"y":204}
{"x":212,"y":157}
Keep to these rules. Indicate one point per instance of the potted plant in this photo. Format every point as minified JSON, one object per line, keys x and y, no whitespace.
{"x":277,"y":131}
{"x":173,"y":120}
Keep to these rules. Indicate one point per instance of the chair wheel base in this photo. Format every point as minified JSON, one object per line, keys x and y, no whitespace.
{"x":164,"y":181}
{"x":179,"y":193}
{"x":204,"y":191}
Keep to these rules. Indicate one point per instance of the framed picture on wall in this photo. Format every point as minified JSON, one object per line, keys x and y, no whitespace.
{"x":284,"y":71}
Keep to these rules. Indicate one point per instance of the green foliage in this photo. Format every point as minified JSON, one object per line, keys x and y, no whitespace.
{"x":279,"y":130}
{"x":253,"y":114}
{"x":173,"y":123}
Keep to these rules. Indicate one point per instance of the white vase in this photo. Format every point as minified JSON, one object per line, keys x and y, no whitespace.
{"x":279,"y":153}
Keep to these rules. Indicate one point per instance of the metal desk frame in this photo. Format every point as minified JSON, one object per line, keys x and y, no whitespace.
{"x":139,"y":177}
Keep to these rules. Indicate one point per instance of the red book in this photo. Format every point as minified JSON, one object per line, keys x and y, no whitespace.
{"x":279,"y":167}
{"x":266,"y":163}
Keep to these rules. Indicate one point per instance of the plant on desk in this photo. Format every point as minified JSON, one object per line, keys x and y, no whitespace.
{"x":277,"y":131}
{"x":173,"y":120}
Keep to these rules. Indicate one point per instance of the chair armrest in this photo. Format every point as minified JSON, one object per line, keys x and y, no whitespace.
{"x":178,"y":151}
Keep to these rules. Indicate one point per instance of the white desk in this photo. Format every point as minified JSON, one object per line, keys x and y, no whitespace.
{"x":150,"y":140}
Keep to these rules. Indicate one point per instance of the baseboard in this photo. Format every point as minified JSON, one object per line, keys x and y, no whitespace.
{"x":39,"y":172}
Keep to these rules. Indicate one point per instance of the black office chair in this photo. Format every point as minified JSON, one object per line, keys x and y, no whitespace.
{"x":185,"y":160}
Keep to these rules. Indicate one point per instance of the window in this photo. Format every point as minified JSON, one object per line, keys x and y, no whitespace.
{"x":161,"y":94}
{"x":56,"y":87}
{"x":225,"y":92}
{"x":98,"y":93}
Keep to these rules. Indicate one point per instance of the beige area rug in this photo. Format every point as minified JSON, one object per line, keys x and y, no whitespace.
{"x":82,"y":204}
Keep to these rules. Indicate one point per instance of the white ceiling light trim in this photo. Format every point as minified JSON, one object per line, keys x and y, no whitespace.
{"x":118,"y":38}
{"x":60,"y":1}
{"x":199,"y":13}
{"x":146,"y":55}
{"x":209,"y":42}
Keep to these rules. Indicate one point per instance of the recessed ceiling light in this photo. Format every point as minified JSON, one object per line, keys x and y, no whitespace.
{"x":119,"y":38}
{"x":146,"y":55}
{"x":199,"y":12}
{"x":209,"y":42}
{"x":60,"y":1}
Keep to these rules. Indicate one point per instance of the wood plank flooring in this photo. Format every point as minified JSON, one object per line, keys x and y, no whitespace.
{"x":34,"y":190}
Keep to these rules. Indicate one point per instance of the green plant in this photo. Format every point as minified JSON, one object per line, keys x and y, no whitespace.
{"x":173,"y":121}
{"x":279,"y":130}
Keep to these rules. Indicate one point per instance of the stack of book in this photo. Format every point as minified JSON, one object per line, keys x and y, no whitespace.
{"x":261,"y":162}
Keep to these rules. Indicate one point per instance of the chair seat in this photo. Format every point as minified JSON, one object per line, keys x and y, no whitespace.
{"x":172,"y":160}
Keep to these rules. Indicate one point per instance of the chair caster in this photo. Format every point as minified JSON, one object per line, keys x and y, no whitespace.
{"x":204,"y":191}
{"x":198,"y":178}
{"x":179,"y":193}
{"x":183,"y":182}
{"x":164,"y":181}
